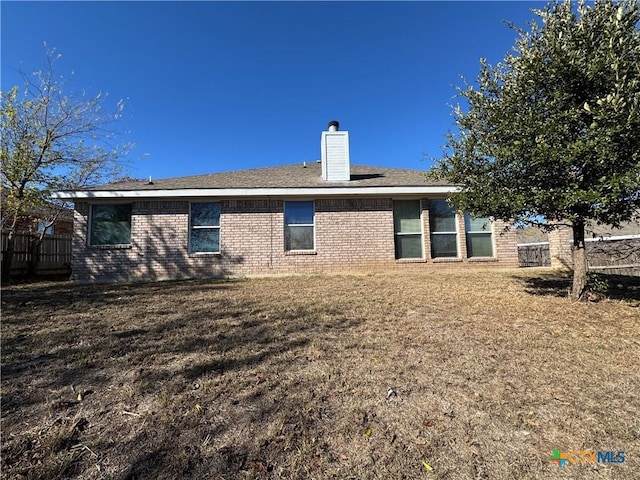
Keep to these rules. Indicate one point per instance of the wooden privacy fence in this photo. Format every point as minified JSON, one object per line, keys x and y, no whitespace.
{"x":55,"y":253}
{"x":534,"y":254}
{"x":614,"y":255}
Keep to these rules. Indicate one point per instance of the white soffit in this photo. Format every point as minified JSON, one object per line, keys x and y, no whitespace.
{"x":254,"y":192}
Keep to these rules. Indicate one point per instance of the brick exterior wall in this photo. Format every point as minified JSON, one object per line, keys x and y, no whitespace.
{"x":561,"y":247}
{"x":30,"y":225}
{"x":505,"y":243}
{"x":352,"y":234}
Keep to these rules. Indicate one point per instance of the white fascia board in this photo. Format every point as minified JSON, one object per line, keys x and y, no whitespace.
{"x":251,"y":192}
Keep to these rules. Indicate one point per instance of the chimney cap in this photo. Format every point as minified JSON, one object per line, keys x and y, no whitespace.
{"x":334,"y":123}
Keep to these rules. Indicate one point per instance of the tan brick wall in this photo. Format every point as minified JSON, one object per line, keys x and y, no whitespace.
{"x":354,"y":230}
{"x":351,"y":235}
{"x":505,"y":243}
{"x":561,"y":247}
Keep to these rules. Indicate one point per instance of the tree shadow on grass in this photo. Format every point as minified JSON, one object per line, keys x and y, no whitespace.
{"x":68,"y":294}
{"x":154,"y":351}
{"x":600,"y":286}
{"x":615,"y":287}
{"x":556,"y":284}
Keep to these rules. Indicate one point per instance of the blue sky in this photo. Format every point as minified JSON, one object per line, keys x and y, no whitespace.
{"x":217,"y":86}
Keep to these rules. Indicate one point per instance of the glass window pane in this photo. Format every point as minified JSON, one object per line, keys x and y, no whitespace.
{"x":408,"y":246}
{"x":480,"y":224}
{"x":205,"y":240}
{"x":479,"y":245}
{"x":444,"y":245}
{"x":205,"y":214}
{"x":48,"y":230}
{"x":298,"y":238}
{"x":110,"y":225}
{"x":406,"y":216}
{"x":442,"y":216}
{"x":298,"y":213}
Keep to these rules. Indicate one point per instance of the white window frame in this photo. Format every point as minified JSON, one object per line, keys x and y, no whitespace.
{"x":484,"y":232}
{"x":421,"y":233}
{"x":286,"y":225}
{"x":454,"y":232}
{"x":206,"y":227}
{"x":90,"y":222}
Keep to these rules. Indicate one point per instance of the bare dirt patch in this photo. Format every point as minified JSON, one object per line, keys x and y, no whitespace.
{"x":489,"y":372}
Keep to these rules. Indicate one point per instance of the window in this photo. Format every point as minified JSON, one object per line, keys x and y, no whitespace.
{"x":47,"y":227}
{"x":479,"y":241}
{"x":299,"y":226}
{"x":442,"y":223}
{"x":407,"y":225}
{"x":110,"y":224}
{"x":204,"y":228}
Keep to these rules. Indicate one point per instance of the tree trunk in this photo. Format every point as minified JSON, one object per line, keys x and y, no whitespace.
{"x":7,"y":256}
{"x":35,"y":245}
{"x":579,"y":261}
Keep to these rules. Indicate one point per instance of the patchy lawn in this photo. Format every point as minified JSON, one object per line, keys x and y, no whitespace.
{"x":490,"y":372}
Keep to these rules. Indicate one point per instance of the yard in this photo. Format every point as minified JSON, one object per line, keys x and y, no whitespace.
{"x":490,"y":371}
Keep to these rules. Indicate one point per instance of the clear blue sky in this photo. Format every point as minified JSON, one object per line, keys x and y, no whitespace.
{"x":217,"y":86}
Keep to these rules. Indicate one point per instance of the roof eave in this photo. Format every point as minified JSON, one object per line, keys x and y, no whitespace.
{"x":254,"y":192}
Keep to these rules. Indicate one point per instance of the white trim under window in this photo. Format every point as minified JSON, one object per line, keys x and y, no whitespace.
{"x":204,"y":227}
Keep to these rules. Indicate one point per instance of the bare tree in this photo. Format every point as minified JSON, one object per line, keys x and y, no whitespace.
{"x":50,"y":141}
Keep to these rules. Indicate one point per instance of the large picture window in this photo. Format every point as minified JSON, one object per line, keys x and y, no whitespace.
{"x":407,"y":225}
{"x":299,"y":226}
{"x":110,"y":224}
{"x":204,"y":227}
{"x":442,"y":224}
{"x":479,"y":241}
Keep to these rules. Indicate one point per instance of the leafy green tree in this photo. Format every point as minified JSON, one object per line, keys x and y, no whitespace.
{"x":50,"y":141}
{"x":551,"y":135}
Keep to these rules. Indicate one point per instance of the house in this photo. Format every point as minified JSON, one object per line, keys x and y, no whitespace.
{"x":41,"y":243}
{"x":54,"y":219}
{"x":305,"y":218}
{"x":36,"y":222}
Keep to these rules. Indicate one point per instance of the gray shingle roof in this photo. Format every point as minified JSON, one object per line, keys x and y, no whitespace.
{"x":289,"y":176}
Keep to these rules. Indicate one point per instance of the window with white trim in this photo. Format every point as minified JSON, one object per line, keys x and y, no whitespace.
{"x":442,"y":225}
{"x":407,"y":225}
{"x":299,"y":226}
{"x":204,"y":227}
{"x":479,"y":236}
{"x":110,"y":224}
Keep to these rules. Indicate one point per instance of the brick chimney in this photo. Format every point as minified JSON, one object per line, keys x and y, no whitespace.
{"x":335,"y":154}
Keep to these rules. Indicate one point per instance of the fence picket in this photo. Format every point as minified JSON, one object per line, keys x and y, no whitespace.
{"x":616,"y":255}
{"x":55,"y":252}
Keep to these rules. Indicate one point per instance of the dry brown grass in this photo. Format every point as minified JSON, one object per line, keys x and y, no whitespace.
{"x":288,"y":378}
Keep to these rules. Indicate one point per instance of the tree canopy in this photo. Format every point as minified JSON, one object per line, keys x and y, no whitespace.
{"x":51,"y":140}
{"x":551,"y":133}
